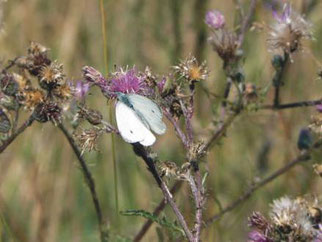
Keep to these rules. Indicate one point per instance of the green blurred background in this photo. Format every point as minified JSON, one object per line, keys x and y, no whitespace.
{"x":42,"y":193}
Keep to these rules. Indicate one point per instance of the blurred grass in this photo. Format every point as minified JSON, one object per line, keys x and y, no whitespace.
{"x":42,"y":193}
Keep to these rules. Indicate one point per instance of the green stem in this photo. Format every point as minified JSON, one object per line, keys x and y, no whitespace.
{"x":104,"y":36}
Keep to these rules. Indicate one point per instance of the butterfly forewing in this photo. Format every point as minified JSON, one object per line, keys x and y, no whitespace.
{"x":149,"y":112}
{"x":131,"y":127}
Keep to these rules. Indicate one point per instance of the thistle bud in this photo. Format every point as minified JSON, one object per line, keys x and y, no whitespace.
{"x":214,"y":19}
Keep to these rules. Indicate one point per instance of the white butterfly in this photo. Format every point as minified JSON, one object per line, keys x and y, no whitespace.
{"x":136,"y":116}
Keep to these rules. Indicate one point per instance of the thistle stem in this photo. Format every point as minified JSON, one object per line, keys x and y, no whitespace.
{"x":247,"y":194}
{"x":141,"y":152}
{"x":89,"y":180}
{"x":11,"y":138}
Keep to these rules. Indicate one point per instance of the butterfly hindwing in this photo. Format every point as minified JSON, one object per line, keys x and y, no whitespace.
{"x":148,"y":111}
{"x":130,"y":126}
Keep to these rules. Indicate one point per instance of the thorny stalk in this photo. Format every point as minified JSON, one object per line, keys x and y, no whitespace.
{"x":199,"y":201}
{"x":246,"y":23}
{"x":241,"y":36}
{"x":89,"y":180}
{"x":177,"y":128}
{"x":11,"y":138}
{"x":302,"y":157}
{"x":141,"y":152}
{"x":198,"y":193}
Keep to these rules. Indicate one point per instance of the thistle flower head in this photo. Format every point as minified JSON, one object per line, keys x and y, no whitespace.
{"x":87,"y":138}
{"x":288,"y":31}
{"x":36,"y":59}
{"x":256,"y":236}
{"x":191,"y":70}
{"x":127,"y":81}
{"x":214,"y":19}
{"x":161,"y":84}
{"x":290,"y":220}
{"x":316,"y":120}
{"x":48,"y":111}
{"x":63,"y":91}
{"x":225,"y":43}
{"x":283,"y":210}
{"x":93,"y":76}
{"x":36,"y":49}
{"x":319,"y":108}
{"x":258,"y":221}
{"x":51,"y":76}
{"x":31,"y":98}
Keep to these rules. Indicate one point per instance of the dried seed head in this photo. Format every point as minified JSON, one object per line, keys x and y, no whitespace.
{"x":48,"y":111}
{"x":36,"y":59}
{"x":225,"y":44}
{"x":196,"y":151}
{"x":316,"y":121}
{"x":318,"y":169}
{"x":51,"y":76}
{"x":36,"y":49}
{"x":87,"y":139}
{"x":63,"y":91}
{"x":32,"y":98}
{"x":288,"y":31}
{"x":149,"y":78}
{"x":168,"y":169}
{"x":258,"y":221}
{"x":23,"y":82}
{"x":191,"y":70}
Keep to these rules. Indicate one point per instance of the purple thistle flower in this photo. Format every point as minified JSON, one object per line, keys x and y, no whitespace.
{"x":93,"y":76}
{"x":285,"y":17}
{"x":127,"y":82}
{"x":215,"y":19}
{"x":318,"y":237}
{"x":81,"y":89}
{"x":161,"y":84}
{"x":124,"y":81}
{"x":319,"y":108}
{"x":256,"y":236}
{"x":288,"y":31}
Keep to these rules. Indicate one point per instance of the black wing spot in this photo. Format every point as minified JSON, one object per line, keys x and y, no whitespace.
{"x":131,"y":131}
{"x":152,"y":111}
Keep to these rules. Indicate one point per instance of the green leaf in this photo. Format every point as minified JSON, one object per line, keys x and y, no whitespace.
{"x":161,"y":221}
